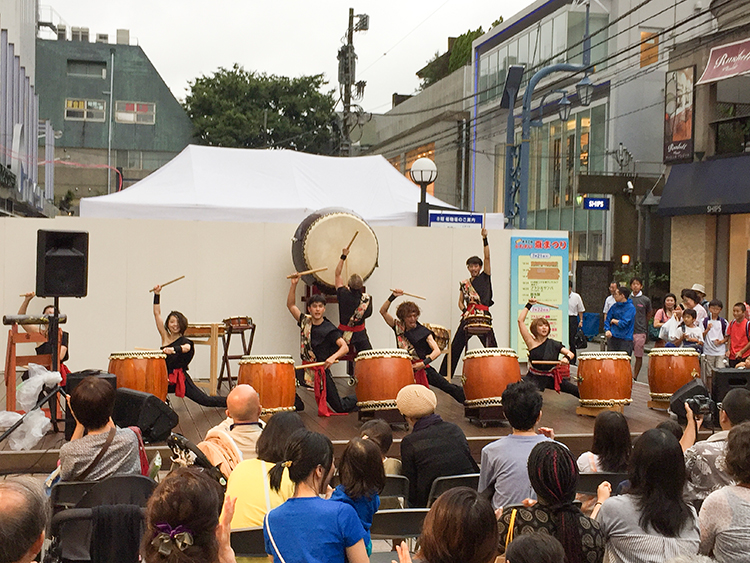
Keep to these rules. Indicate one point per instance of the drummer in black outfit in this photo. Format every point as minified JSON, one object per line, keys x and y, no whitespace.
{"x":419,"y":341}
{"x":354,"y":307}
{"x":46,"y":347}
{"x":474,"y":296}
{"x":180,"y":351}
{"x":543,"y":348}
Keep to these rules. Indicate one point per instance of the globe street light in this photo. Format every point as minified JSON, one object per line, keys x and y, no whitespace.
{"x":423,"y":172}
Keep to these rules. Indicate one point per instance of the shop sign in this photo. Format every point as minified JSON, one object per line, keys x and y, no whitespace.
{"x":727,"y":61}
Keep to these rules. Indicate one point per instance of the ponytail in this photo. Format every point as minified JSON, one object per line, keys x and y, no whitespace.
{"x":304,"y":451}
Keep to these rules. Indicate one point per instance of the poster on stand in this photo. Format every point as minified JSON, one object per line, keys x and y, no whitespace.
{"x":539,"y":269}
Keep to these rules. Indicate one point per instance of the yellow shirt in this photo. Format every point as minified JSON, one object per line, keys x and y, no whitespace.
{"x":255,"y":497}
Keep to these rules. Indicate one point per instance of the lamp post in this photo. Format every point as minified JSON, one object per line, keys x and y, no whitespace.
{"x":423,"y":172}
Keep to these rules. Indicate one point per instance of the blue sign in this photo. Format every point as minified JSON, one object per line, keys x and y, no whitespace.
{"x":455,"y":219}
{"x":599,"y":203}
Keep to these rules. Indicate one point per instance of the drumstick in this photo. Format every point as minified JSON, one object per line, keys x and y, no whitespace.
{"x":484,"y":217}
{"x":352,"y":241}
{"x":314,"y":270}
{"x":147,"y":349}
{"x":412,"y":295}
{"x":546,"y":305}
{"x":315,"y":365}
{"x":546,"y":362}
{"x":166,"y":284}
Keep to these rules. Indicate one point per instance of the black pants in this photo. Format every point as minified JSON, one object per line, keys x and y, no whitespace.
{"x":572,"y":330}
{"x":337,"y":404}
{"x":437,"y":380}
{"x":548,"y":382}
{"x":459,"y":343}
{"x":360,"y":342}
{"x":620,"y":345}
{"x":194,"y":393}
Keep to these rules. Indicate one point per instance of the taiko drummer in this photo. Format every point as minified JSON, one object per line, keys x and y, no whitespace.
{"x":355,"y":305}
{"x":542,"y":348}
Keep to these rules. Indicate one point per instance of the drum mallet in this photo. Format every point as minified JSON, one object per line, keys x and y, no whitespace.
{"x":546,"y":362}
{"x":166,"y":284}
{"x":313,"y":365}
{"x":546,"y":305}
{"x":412,"y":295}
{"x":352,"y":241}
{"x":300,"y":274}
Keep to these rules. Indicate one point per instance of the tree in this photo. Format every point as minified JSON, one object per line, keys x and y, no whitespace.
{"x":238,"y":108}
{"x":461,"y":52}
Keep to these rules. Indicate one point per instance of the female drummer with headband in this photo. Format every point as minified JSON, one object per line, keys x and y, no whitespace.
{"x":544,"y":349}
{"x":180,"y":352}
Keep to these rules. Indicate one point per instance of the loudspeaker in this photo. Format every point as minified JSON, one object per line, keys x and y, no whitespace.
{"x":727,"y":379}
{"x":62,"y":266}
{"x":677,"y":401}
{"x":72,"y":382}
{"x":146,"y":411}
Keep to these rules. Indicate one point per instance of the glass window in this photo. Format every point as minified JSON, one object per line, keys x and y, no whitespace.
{"x":493,"y":80}
{"x":598,"y":141}
{"x":576,"y":31}
{"x":534,"y":48}
{"x":501,"y":72}
{"x":512,"y":53}
{"x":544,"y":168}
{"x":584,"y":135}
{"x":135,"y":112}
{"x":555,"y":163}
{"x":560,"y":38}
{"x":484,"y":70}
{"x":134,"y":160}
{"x":569,"y":180}
{"x":85,"y":110}
{"x":649,"y":48}
{"x":599,"y":33}
{"x":523,"y":50}
{"x":95,"y":69}
{"x":153,"y":160}
{"x":545,"y":41}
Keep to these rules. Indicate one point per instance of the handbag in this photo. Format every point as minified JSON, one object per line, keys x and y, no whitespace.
{"x":580,"y":340}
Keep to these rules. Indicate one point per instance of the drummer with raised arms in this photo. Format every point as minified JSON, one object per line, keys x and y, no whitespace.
{"x":474,"y":298}
{"x":180,"y":351}
{"x":354,"y":307}
{"x":549,"y":373}
{"x":320,"y":343}
{"x":419,"y":341}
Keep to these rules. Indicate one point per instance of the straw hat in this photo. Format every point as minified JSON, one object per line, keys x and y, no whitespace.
{"x":416,"y":401}
{"x":699,"y":288}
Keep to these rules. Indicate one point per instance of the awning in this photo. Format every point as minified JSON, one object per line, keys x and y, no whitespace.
{"x":711,"y":187}
{"x":727,"y":61}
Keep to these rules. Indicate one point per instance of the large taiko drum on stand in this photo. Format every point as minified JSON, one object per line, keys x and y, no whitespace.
{"x":669,"y":369}
{"x":273,"y":378}
{"x":141,"y":370}
{"x":604,"y":379}
{"x":318,"y":241}
{"x":380,"y":375}
{"x":487,"y":372}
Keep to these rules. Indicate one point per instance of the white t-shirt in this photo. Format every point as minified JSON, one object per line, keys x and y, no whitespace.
{"x":575,"y":304}
{"x":608,"y":302}
{"x":695,"y":331}
{"x":714,"y":333}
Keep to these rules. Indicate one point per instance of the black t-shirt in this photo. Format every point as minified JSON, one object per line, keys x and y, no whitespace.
{"x":348,"y":302}
{"x":323,"y":339}
{"x":483,"y":286}
{"x":46,"y":347}
{"x":180,"y":359}
{"x":548,"y":350}
{"x":418,"y":338}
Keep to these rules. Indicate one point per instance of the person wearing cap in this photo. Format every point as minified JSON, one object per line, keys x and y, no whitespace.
{"x":435,"y":448}
{"x":700,"y":289}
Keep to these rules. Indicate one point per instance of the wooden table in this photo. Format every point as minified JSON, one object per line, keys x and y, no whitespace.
{"x":208,"y":334}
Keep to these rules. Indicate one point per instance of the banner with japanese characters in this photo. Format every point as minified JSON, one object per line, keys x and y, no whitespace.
{"x":539,"y":269}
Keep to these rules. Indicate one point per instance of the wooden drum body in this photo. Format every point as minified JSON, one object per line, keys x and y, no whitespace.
{"x":143,"y":371}
{"x":487,"y":372}
{"x":604,"y":379}
{"x":671,"y":368}
{"x":479,"y":323}
{"x":380,"y":375}
{"x":273,"y":378}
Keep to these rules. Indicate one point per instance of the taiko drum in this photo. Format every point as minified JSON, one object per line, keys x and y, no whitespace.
{"x":142,"y":370}
{"x":380,"y":375}
{"x":604,"y":378}
{"x":273,"y":378}
{"x":487,"y":372}
{"x":671,"y":368}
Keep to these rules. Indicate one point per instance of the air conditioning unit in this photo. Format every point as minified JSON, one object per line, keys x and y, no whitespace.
{"x":75,"y":33}
{"x":102,"y":38}
{"x":62,"y":31}
{"x":85,"y":34}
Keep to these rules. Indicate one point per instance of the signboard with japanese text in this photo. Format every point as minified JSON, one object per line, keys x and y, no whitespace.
{"x":455,"y":219}
{"x":539,"y":269}
{"x":678,"y":114}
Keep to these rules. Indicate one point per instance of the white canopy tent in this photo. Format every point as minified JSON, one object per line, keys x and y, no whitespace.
{"x":268,"y":186}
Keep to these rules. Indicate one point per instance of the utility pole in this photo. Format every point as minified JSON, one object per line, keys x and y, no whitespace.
{"x":347,"y":72}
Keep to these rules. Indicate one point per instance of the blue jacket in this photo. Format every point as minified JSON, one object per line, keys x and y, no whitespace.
{"x":625,"y":315}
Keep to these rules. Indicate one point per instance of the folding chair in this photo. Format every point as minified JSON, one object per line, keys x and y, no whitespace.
{"x":589,"y":482}
{"x":404,"y":523}
{"x":395,"y":494}
{"x":442,"y":484}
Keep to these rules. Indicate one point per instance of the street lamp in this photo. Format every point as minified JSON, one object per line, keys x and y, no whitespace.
{"x":563,"y":108}
{"x":423,"y":172}
{"x":585,"y":91}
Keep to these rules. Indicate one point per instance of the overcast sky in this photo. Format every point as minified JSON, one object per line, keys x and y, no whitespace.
{"x":189,"y":38}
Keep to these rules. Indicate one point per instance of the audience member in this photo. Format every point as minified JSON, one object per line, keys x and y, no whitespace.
{"x":692,"y":301}
{"x":504,"y":461}
{"x":435,"y":448}
{"x":671,"y":425}
{"x":725,"y":514}
{"x":618,"y":325}
{"x":700,"y":290}
{"x":575,"y":317}
{"x":610,"y":451}
{"x":739,"y":336}
{"x":182,"y":520}
{"x":704,"y":461}
{"x":307,"y":528}
{"x":610,"y":300}
{"x":535,"y":548}
{"x":249,"y":482}
{"x":554,"y":476}
{"x":379,"y":431}
{"x":105,"y":450}
{"x":362,"y":479}
{"x":640,"y":326}
{"x":691,"y":333}
{"x":652,"y":522}
{"x":665,"y":313}
{"x":715,"y":340}
{"x":24,"y":514}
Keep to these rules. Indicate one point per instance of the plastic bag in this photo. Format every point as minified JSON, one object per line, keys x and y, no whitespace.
{"x":28,"y":391}
{"x":669,"y":330}
{"x":8,"y":419}
{"x":33,"y":429}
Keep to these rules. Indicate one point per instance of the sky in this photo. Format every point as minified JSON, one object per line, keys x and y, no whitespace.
{"x":185,"y":39}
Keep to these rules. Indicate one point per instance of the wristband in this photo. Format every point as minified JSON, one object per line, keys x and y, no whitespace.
{"x":485,"y":241}
{"x":598,"y":503}
{"x":427,"y":361}
{"x":529,"y":306}
{"x":343,"y":256}
{"x":157,"y":298}
{"x":392,"y":298}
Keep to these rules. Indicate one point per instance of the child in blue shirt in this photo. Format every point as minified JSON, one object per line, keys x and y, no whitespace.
{"x":362,"y":479}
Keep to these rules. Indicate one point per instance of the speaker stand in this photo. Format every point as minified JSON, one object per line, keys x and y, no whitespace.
{"x":52,"y":395}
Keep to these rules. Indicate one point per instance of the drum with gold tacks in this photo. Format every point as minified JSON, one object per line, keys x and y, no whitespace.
{"x":442,"y":335}
{"x":487,"y":372}
{"x":143,"y":370}
{"x":604,"y":379}
{"x":380,"y":375}
{"x":273,"y":378}
{"x":671,"y":368}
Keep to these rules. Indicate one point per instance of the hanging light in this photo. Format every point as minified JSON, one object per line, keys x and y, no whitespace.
{"x":585,"y":91}
{"x":563,"y":108}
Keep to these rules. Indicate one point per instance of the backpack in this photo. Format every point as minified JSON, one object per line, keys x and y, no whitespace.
{"x":724,"y":325}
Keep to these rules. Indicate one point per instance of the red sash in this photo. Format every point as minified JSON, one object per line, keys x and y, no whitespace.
{"x":558,"y":373}
{"x":347,"y":328}
{"x":177,"y":378}
{"x":320,"y":391}
{"x":64,"y":371}
{"x":421,"y":375}
{"x":472,"y":308}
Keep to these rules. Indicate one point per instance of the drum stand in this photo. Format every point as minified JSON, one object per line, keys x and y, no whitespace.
{"x":391,"y":416}
{"x":594,"y":410}
{"x":484,"y":416}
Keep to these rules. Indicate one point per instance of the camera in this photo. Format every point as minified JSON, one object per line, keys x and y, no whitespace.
{"x":705,"y":406}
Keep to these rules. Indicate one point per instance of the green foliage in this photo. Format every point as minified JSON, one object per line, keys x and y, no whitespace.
{"x":230,"y":107}
{"x":497,"y":22}
{"x":626,"y":272}
{"x":461,"y":52}
{"x":435,"y":69}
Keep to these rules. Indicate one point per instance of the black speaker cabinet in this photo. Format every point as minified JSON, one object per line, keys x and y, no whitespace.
{"x":146,"y":411}
{"x":72,"y":382}
{"x":62,"y":263}
{"x":727,"y":379}
{"x":677,"y":401}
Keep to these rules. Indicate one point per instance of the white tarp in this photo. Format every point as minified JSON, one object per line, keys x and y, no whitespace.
{"x":269,"y":186}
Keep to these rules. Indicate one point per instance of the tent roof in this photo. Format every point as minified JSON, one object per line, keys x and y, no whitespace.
{"x":246,"y":185}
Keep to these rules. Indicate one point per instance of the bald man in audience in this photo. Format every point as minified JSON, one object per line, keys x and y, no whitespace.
{"x":243,"y":419}
{"x":24,"y":513}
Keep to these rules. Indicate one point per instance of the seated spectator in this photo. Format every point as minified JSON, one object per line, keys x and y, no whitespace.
{"x":24,"y":515}
{"x":704,"y":460}
{"x":249,"y":482}
{"x":434,"y":448}
{"x":379,"y":431}
{"x":671,"y":425}
{"x":535,"y":548}
{"x":652,"y":522}
{"x":307,"y":528}
{"x":554,"y":476}
{"x":92,"y":403}
{"x":725,"y":514}
{"x":610,"y":451}
{"x":182,"y":520}
{"x":504,"y":460}
{"x":460,"y":526}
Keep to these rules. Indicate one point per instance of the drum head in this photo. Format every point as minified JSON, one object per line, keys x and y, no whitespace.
{"x":318,"y":244}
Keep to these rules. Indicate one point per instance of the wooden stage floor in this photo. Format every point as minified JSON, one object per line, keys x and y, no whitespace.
{"x":558,"y":412}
